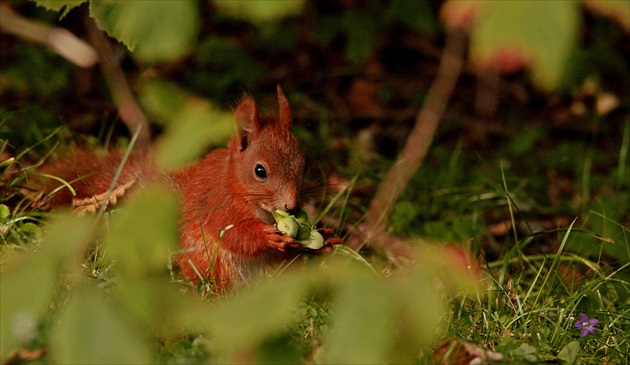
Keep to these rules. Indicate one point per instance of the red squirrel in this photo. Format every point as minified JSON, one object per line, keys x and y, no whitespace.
{"x":227,"y":199}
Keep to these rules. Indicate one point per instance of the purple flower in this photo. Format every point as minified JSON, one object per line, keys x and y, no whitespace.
{"x":587,"y":325}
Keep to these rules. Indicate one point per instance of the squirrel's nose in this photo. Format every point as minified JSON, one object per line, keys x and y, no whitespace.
{"x":291,"y":201}
{"x":291,"y":206}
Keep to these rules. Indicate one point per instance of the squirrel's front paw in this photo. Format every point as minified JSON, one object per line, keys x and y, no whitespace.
{"x":330,"y":239}
{"x":280,"y":242}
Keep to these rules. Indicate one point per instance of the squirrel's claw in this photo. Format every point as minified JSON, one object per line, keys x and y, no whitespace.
{"x":278,"y":241}
{"x":330,"y":239}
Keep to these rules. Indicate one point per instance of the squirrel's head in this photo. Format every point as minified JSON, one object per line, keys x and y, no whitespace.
{"x":266,"y":158}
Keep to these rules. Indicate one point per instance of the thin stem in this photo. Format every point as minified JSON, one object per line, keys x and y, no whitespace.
{"x":416,"y":147}
{"x":129,"y":111}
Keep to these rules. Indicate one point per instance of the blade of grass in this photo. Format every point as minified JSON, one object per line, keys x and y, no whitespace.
{"x":553,"y":264}
{"x":509,"y":202}
{"x":63,"y":182}
{"x":344,"y":192}
{"x":119,"y":171}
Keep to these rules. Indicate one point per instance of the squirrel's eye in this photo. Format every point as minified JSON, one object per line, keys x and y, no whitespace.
{"x":260,"y":171}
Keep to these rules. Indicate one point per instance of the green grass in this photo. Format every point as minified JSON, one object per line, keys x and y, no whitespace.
{"x":555,"y":260}
{"x":531,"y":303}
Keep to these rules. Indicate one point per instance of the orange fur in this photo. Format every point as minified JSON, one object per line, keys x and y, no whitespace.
{"x":227,"y":228}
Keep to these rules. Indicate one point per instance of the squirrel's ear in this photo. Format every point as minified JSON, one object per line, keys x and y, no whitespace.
{"x":246,"y":116}
{"x":247,"y":121}
{"x":285,"y":110}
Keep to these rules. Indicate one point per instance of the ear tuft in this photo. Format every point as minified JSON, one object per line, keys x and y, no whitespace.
{"x":284,"y":109}
{"x":246,"y":116}
{"x":247,"y":122}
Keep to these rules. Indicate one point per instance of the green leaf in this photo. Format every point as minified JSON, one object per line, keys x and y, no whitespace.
{"x":527,"y":352}
{"x":260,"y":11}
{"x":59,"y":5}
{"x":569,"y":352}
{"x":258,"y":314}
{"x":4,"y":212}
{"x":93,"y":330}
{"x":153,"y":30}
{"x":192,"y":123}
{"x":160,"y":306}
{"x":31,"y":229}
{"x":362,"y":329}
{"x":29,"y":281}
{"x":363,"y":32}
{"x":416,"y":14}
{"x":144,"y":232}
{"x":26,"y":292}
{"x":163,"y":100}
{"x":418,"y":312}
{"x":197,"y":125}
{"x":404,"y":214}
{"x":537,"y":34}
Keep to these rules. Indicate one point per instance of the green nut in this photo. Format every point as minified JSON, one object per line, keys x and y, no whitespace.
{"x":302,"y":216}
{"x":279,"y":214}
{"x":288,"y":226}
{"x":314,"y":242}
{"x":304,"y":231}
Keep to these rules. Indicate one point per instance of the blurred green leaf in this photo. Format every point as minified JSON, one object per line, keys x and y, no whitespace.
{"x":141,"y":244}
{"x":540,"y":35}
{"x":363,"y":32}
{"x":416,"y":14}
{"x":257,"y":314}
{"x":193,"y":129}
{"x":145,"y":231}
{"x":527,"y":352}
{"x":162,"y":100}
{"x":569,"y":352}
{"x":58,"y":5}
{"x":160,"y":305}
{"x":28,"y":281}
{"x":92,"y":330}
{"x":152,"y":30}
{"x":404,"y":214}
{"x":26,"y":292}
{"x":417,"y":314}
{"x":605,"y":218}
{"x":4,"y":212}
{"x":362,"y":328}
{"x":260,"y":11}
{"x":31,"y":229}
{"x":192,"y":123}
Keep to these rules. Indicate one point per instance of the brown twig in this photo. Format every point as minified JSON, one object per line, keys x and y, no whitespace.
{"x":129,"y":111}
{"x":371,"y":231}
{"x":58,"y":39}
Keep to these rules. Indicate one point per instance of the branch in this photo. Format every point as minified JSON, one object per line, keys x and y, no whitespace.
{"x":371,"y":231}
{"x":129,"y":111}
{"x":58,"y":39}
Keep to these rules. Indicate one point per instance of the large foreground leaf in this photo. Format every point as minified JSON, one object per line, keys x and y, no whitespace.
{"x":192,"y":123}
{"x":260,"y":11}
{"x":28,"y":282}
{"x":92,"y":330}
{"x":539,"y":34}
{"x":153,"y":30}
{"x":506,"y":36}
{"x":59,"y":5}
